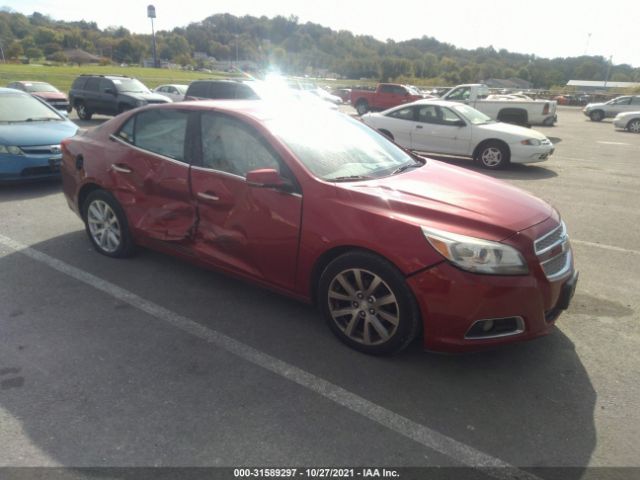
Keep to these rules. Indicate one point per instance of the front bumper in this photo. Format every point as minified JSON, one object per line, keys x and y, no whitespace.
{"x":451,"y":301}
{"x":530,"y":154}
{"x":619,"y":123}
{"x":17,"y":168}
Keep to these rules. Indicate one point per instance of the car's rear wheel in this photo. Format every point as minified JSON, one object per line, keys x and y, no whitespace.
{"x":83,"y":111}
{"x":634,"y":126}
{"x":596,"y":115}
{"x":493,"y":155}
{"x":367,"y":303}
{"x":106,"y":225}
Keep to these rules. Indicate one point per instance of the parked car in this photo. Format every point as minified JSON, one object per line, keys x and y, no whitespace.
{"x":314,"y":89}
{"x":109,"y":95}
{"x":597,"y":111}
{"x":174,"y":92}
{"x":220,"y":90}
{"x":318,"y":206}
{"x":30,"y":135}
{"x":46,"y":92}
{"x":629,"y":121}
{"x":386,"y":95}
{"x":343,"y":93}
{"x":522,"y":112}
{"x":450,"y":128}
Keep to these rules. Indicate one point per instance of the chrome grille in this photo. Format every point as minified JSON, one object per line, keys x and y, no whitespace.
{"x":42,"y":150}
{"x":558,"y":265}
{"x":552,"y":239}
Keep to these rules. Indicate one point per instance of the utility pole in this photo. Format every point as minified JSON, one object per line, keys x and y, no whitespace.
{"x":606,"y":78}
{"x":151,"y":13}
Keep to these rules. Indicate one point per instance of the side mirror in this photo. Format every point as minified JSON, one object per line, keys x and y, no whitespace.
{"x":460,"y":123}
{"x":266,"y":178}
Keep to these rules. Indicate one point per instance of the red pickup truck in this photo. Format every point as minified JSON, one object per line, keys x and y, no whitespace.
{"x":386,"y":95}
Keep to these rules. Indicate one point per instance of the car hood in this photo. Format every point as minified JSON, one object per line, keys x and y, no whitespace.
{"x":454,"y":199}
{"x":149,"y":97}
{"x":594,"y":105}
{"x":36,"y":133}
{"x":50,"y":95}
{"x":509,"y":129}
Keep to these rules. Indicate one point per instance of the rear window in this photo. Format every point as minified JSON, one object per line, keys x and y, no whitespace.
{"x":79,"y":83}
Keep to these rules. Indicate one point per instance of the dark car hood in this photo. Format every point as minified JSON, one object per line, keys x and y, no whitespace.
{"x":36,"y":133}
{"x":455,"y":199}
{"x":149,"y":97}
{"x":50,"y":95}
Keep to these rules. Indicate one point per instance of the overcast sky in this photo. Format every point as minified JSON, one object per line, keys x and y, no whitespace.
{"x":546,"y":28}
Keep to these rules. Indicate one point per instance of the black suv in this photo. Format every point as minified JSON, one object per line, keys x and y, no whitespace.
{"x":109,"y":95}
{"x":221,"y":89}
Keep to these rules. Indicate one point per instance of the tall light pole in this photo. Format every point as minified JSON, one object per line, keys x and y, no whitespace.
{"x":151,"y":13}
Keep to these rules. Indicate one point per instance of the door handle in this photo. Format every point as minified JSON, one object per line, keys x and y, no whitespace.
{"x":121,"y":168}
{"x":208,"y":196}
{"x":418,"y":126}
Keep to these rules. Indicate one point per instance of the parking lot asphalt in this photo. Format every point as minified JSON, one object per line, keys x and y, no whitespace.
{"x":154,"y":362}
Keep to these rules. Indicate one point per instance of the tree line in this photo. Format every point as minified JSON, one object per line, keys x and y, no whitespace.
{"x":297,"y":48}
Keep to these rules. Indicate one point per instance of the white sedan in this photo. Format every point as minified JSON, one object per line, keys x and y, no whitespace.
{"x":451,"y":128}
{"x":174,"y":92}
{"x":628,"y":121}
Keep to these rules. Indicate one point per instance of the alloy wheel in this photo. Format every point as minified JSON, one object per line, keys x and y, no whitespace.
{"x":104,"y":226}
{"x":363,"y":306}
{"x":634,"y":126}
{"x":491,"y":157}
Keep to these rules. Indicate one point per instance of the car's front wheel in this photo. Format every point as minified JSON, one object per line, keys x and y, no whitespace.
{"x":367,"y":303}
{"x":634,"y":126}
{"x":106,"y":225}
{"x":493,"y":155}
{"x":596,"y":115}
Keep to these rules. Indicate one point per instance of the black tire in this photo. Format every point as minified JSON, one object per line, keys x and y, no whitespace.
{"x":93,"y":205}
{"x":360,"y":328}
{"x":362,"y":107}
{"x":634,"y":125}
{"x":493,"y":155}
{"x":387,"y":134}
{"x":596,"y":116}
{"x":83,"y":112}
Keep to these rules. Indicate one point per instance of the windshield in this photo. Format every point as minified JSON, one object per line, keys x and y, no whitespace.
{"x":413,"y":90}
{"x":39,"y":87}
{"x":471,"y":114}
{"x":24,"y":108}
{"x":335,"y":147}
{"x":130,"y":85}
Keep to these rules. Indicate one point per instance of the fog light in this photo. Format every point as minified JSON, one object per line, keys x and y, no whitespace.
{"x":487,"y":325}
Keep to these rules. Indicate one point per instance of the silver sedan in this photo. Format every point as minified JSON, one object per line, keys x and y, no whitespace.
{"x":628,"y":121}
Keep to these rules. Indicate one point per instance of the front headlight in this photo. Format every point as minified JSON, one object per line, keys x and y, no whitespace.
{"x":534,"y":142}
{"x":475,"y":254}
{"x":10,"y":150}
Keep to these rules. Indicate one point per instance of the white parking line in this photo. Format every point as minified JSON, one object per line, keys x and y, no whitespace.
{"x":417,"y":432}
{"x":605,"y":246}
{"x":613,"y":143}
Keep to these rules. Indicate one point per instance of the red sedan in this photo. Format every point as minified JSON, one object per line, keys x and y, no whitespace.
{"x":318,"y":206}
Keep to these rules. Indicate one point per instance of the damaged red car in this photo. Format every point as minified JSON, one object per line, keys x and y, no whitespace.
{"x":320,"y":207}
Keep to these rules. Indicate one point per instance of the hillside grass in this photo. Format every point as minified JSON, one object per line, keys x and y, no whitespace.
{"x":62,"y":77}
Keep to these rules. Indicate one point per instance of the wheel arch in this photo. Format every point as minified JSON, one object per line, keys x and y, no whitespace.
{"x":518,"y":116}
{"x":84,"y":192}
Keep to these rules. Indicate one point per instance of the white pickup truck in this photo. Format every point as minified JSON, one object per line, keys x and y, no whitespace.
{"x":525,"y":112}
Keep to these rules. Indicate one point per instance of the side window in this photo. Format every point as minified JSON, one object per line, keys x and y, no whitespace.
{"x":92,"y":84}
{"x":406,"y":113}
{"x":106,"y":84}
{"x":198,"y":89}
{"x":231,"y":146}
{"x":170,"y":89}
{"x":245,"y":93}
{"x":462,"y":93}
{"x":398,"y":90}
{"x":222,"y":90}
{"x":635,"y":101}
{"x":622,"y":101}
{"x":429,"y":114}
{"x":386,"y":89}
{"x":448,"y":117}
{"x":161,"y":131}
{"x":126,"y":131}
